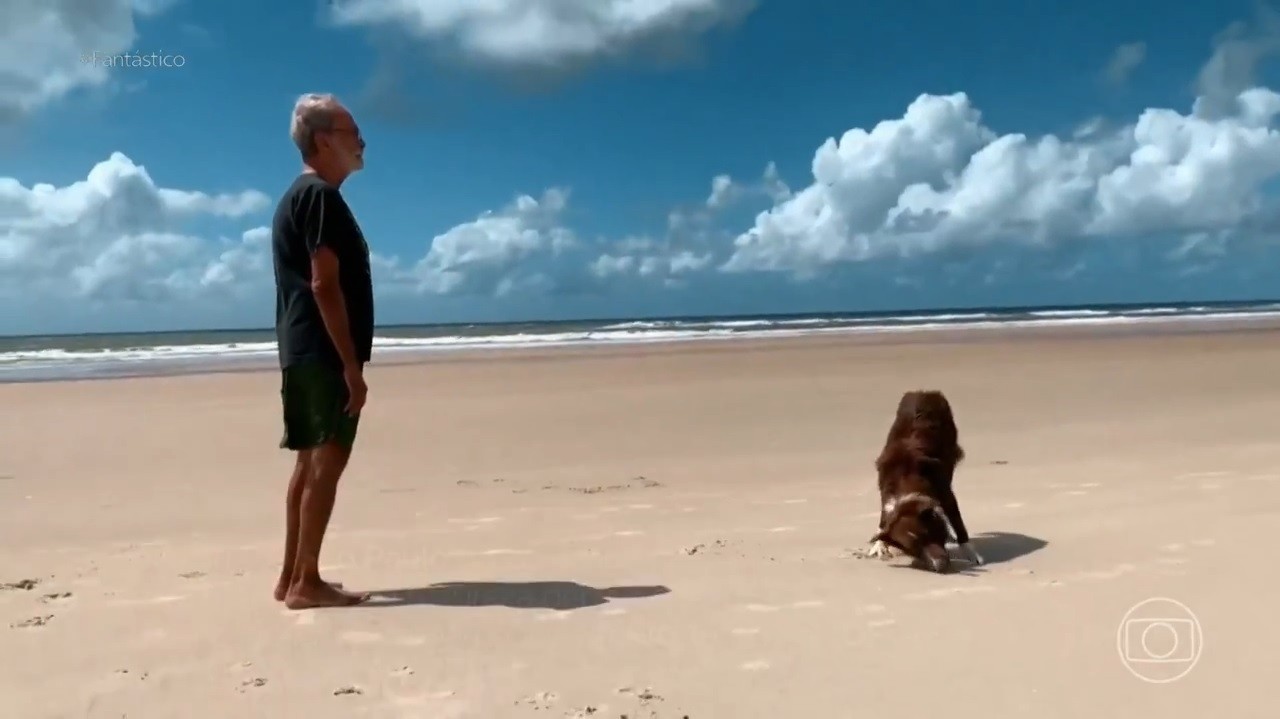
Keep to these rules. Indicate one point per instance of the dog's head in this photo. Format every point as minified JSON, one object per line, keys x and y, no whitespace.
{"x":916,"y":526}
{"x":928,"y":403}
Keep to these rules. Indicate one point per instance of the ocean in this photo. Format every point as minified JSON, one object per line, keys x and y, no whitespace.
{"x":52,"y":357}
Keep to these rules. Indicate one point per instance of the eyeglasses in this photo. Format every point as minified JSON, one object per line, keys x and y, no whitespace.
{"x":355,"y":131}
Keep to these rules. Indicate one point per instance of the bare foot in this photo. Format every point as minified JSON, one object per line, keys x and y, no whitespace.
{"x":321,"y":595}
{"x":282,"y":588}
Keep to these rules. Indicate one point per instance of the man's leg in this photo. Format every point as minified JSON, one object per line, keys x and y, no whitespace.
{"x":319,"y":430}
{"x":307,"y":588}
{"x":292,"y":513}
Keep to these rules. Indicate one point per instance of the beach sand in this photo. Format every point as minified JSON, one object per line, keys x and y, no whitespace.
{"x":656,"y":531}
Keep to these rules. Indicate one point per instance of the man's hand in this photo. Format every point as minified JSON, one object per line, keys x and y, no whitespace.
{"x":356,"y":388}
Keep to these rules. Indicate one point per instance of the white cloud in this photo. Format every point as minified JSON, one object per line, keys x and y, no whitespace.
{"x":44,"y":43}
{"x":115,"y":234}
{"x":1124,"y":61}
{"x":939,"y":177}
{"x":486,"y":254}
{"x":725,"y":190}
{"x":1233,"y":66}
{"x":540,"y":32}
{"x":648,"y":258}
{"x":117,"y":239}
{"x":119,"y":236}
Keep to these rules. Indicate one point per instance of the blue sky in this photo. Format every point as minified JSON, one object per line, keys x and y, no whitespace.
{"x":614,"y":127}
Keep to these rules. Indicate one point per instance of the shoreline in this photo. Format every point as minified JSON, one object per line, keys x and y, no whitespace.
{"x":97,"y":371}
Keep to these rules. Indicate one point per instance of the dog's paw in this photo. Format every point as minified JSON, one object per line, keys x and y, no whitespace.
{"x":878,"y":550}
{"x":972,"y":553}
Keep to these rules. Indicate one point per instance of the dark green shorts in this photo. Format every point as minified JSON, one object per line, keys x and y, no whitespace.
{"x":315,"y":399}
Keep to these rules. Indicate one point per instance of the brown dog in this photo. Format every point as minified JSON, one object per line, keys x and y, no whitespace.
{"x":919,"y":512}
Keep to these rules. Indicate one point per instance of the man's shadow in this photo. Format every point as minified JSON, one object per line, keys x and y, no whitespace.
{"x":560,"y":595}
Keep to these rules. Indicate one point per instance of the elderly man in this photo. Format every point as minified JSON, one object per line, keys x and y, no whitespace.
{"x":324,"y":327}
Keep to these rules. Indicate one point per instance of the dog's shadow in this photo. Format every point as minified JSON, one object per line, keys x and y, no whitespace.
{"x":1000,"y":547}
{"x":995,"y":548}
{"x":557,"y":595}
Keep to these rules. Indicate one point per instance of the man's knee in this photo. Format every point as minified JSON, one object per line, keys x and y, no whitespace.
{"x":303,"y":459}
{"x":329,"y":460}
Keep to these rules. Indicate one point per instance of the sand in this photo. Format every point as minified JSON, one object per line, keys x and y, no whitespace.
{"x":659,"y":531}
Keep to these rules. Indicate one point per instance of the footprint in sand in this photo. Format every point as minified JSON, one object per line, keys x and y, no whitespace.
{"x":347,"y":690}
{"x":644,"y":696}
{"x":700,"y":547}
{"x":402,"y":672}
{"x":541,"y":700}
{"x":32,"y":622}
{"x":253,"y":683}
{"x":191,"y":575}
{"x":55,"y":597}
{"x":23,"y":584}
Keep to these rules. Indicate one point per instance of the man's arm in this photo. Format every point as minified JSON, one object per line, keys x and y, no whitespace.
{"x":328,"y":224}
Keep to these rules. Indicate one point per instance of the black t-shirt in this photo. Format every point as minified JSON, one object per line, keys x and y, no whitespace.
{"x":310,"y":214}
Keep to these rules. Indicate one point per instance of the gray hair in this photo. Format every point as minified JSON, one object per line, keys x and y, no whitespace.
{"x":312,"y":112}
